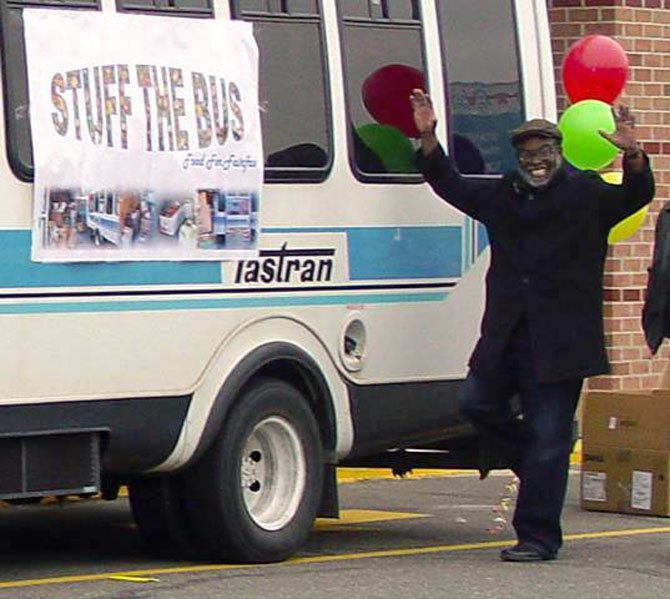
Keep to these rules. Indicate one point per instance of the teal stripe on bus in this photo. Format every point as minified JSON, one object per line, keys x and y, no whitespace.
{"x":402,"y":252}
{"x":375,"y":253}
{"x":62,"y":307}
{"x":19,"y":271}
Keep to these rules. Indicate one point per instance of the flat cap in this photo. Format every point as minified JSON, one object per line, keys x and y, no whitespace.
{"x":535,"y":128}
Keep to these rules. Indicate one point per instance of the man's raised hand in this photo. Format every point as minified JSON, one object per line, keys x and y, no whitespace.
{"x":424,"y":115}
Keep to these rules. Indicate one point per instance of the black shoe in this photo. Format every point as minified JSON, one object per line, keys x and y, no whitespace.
{"x":525,"y":552}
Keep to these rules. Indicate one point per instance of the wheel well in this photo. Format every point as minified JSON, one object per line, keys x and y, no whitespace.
{"x":310,"y":387}
{"x":282,"y":361}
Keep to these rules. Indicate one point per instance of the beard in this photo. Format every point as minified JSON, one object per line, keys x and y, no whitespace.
{"x":551,"y":169}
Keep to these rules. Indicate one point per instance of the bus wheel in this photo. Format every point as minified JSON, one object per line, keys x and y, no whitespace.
{"x":254,"y":495}
{"x":158,"y":511}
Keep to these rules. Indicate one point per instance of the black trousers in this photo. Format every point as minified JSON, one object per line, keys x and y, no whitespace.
{"x":537,"y":443}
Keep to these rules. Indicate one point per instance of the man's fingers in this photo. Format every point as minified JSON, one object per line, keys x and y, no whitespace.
{"x":607,"y":136}
{"x":623,"y":115}
{"x":420,"y":98}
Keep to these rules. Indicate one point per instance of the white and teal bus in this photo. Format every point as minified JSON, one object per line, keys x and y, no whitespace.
{"x":224,"y":394}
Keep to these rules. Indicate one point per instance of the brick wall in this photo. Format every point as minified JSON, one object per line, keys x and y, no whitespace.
{"x":642,"y":27}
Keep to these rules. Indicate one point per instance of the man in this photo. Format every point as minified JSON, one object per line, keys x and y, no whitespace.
{"x":542,"y":329}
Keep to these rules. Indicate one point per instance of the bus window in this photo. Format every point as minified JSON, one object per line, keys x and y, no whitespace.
{"x":15,"y":82}
{"x":383,"y":60}
{"x":180,"y":7}
{"x":484,"y":95}
{"x":295,"y":112}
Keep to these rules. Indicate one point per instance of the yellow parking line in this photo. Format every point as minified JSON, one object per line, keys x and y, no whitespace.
{"x":348,"y":517}
{"x":469,"y":546}
{"x":155,"y":572}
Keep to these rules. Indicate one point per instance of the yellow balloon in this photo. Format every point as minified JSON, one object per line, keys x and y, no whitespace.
{"x":629,"y":225}
{"x":614,"y":177}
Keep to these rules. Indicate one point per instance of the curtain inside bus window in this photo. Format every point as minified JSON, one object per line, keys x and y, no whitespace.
{"x":484,"y":94}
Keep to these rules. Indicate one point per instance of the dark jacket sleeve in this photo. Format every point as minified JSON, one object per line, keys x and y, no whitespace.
{"x":636,"y":191}
{"x":655,"y":322}
{"x":469,"y":195}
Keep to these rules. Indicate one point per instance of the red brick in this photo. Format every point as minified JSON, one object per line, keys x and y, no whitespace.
{"x":632,"y":29}
{"x":603,"y":29}
{"x":604,"y":384}
{"x":612,"y":295}
{"x":631,"y":383}
{"x":640,"y":367}
{"x":621,"y":368}
{"x":566,"y":30}
{"x":661,"y":16}
{"x":653,"y":31}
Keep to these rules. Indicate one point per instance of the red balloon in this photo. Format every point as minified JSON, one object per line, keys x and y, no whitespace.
{"x":386,"y":96}
{"x":595,"y":68}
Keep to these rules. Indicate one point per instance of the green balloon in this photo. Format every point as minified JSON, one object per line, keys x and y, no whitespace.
{"x":390,"y":145}
{"x":583,"y":146}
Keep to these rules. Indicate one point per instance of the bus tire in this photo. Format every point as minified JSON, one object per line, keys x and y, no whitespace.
{"x":254,"y":495}
{"x":158,"y":510}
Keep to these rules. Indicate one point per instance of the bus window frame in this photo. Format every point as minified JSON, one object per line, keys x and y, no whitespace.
{"x":299,"y":174}
{"x":362,"y":176}
{"x":162,"y":8}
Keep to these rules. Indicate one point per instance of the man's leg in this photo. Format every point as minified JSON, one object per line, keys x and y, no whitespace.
{"x":485,"y":402}
{"x":548,"y":411}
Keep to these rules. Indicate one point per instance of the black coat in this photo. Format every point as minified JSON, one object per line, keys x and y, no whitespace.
{"x":656,"y":310}
{"x":548,"y":251}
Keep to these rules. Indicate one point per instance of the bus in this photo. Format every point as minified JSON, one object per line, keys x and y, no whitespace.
{"x":224,"y":394}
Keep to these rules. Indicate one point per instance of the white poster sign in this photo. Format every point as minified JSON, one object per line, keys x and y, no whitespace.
{"x":146,"y":137}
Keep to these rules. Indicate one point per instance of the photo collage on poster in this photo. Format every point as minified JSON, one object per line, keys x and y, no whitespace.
{"x":208,"y":219}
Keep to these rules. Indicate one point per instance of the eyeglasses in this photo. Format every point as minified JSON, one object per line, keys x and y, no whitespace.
{"x":543,"y":152}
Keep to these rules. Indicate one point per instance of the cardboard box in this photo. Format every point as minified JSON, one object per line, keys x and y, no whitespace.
{"x":625,"y":480}
{"x":627,"y":419}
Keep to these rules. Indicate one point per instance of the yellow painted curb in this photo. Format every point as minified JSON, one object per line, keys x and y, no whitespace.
{"x":576,"y":456}
{"x":351,"y":475}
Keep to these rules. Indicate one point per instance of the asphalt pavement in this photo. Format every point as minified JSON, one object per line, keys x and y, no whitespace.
{"x":438,"y":536}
